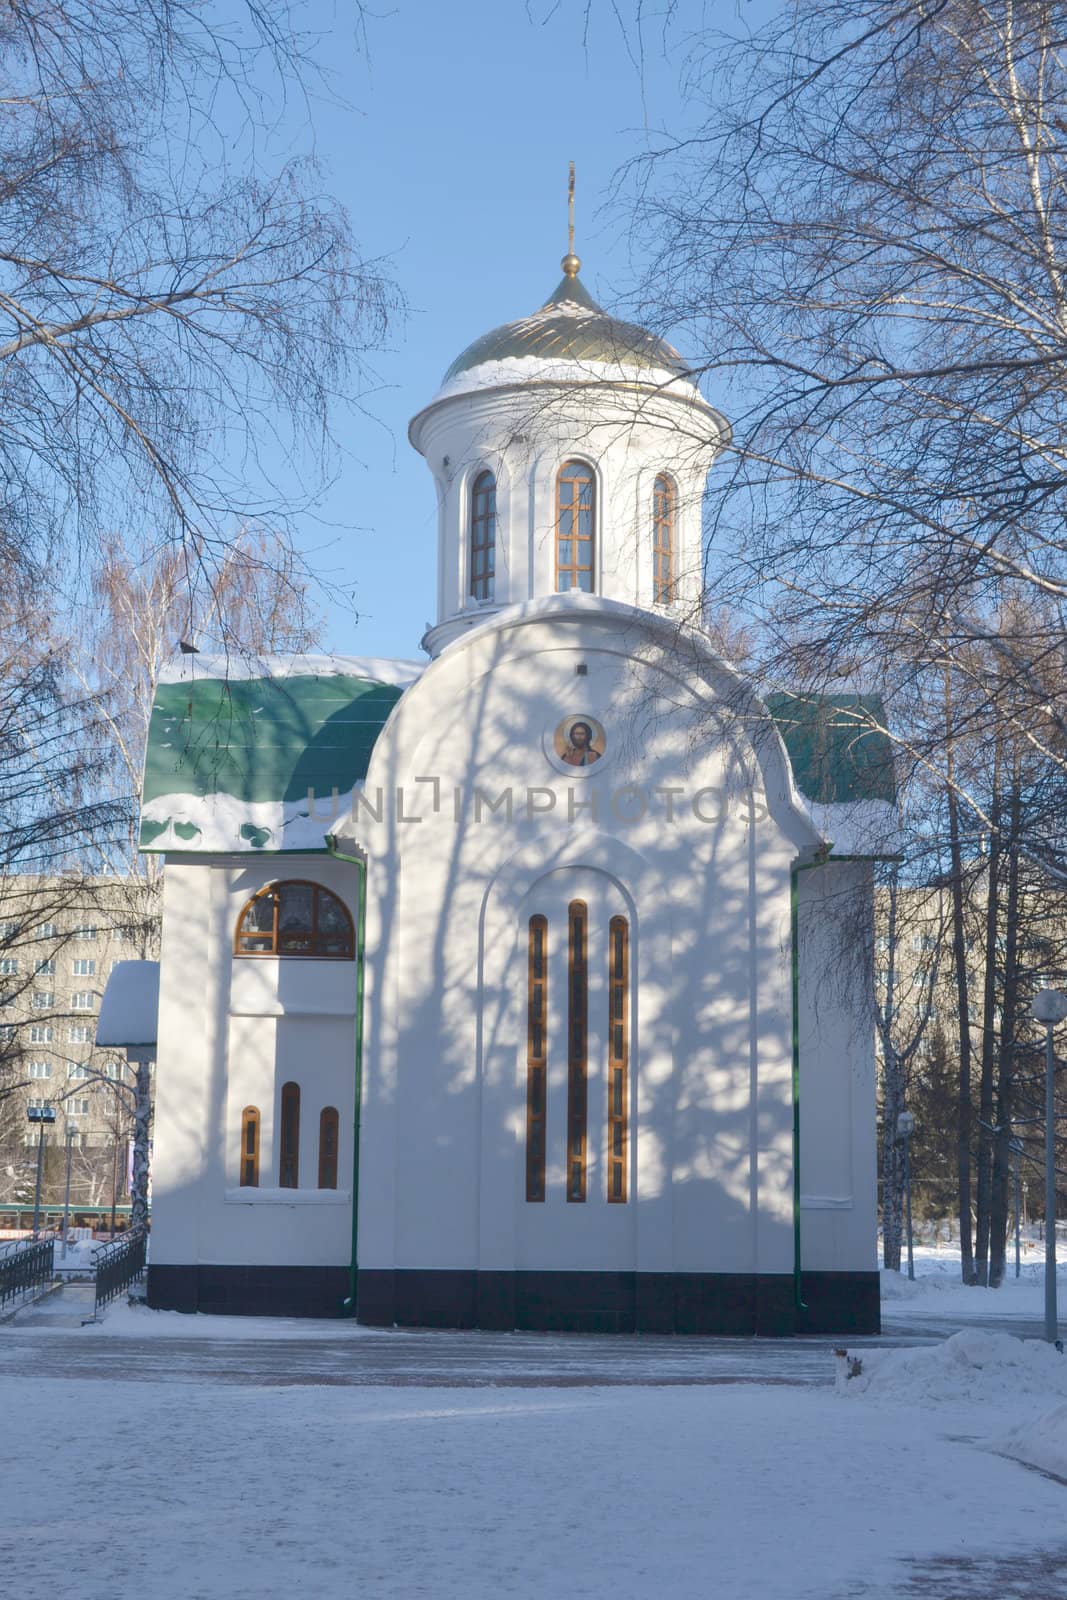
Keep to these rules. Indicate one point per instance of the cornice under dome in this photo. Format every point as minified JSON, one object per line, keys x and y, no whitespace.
{"x":570,"y":326}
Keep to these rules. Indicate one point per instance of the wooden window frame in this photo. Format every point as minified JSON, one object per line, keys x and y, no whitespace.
{"x":618,"y":1164}
{"x":329,"y":1159}
{"x":274,"y":953}
{"x":536,"y":1056}
{"x":249,"y":1170}
{"x":289,"y":1137}
{"x":577,"y":1050}
{"x":576,"y":474}
{"x":664,"y":502}
{"x":482,"y":525}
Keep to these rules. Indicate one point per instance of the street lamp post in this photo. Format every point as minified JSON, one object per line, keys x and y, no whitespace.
{"x":43,"y":1116}
{"x":72,"y":1134}
{"x":1050,"y":1008}
{"x":1017,"y":1173}
{"x":905,"y":1129}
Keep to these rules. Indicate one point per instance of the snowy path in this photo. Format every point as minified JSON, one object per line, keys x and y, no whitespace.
{"x":201,"y":1458}
{"x":209,"y":1491}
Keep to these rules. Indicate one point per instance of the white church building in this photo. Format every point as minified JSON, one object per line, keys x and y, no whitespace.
{"x":528,"y":985}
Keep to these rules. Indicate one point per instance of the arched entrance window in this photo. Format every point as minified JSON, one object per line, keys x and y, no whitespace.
{"x":575,"y":527}
{"x":536,"y":1055}
{"x":483,"y":536}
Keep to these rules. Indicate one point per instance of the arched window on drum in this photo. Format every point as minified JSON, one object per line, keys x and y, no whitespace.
{"x":663,"y":554}
{"x":575,"y":527}
{"x":483,"y":537}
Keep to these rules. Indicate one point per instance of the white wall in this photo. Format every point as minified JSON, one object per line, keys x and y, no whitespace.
{"x":442,"y":1169}
{"x":838,"y":1190}
{"x":231,"y":1032}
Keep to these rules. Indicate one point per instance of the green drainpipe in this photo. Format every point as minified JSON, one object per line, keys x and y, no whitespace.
{"x":794,"y":923}
{"x":348,"y":1306}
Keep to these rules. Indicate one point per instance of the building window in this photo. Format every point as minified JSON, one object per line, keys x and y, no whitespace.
{"x":44,"y":969}
{"x":38,"y":1102}
{"x":536,"y":1055}
{"x":47,"y":930}
{"x":39,"y":1069}
{"x":577,"y":1046}
{"x":289,"y":1142}
{"x":85,"y":930}
{"x":9,"y":966}
{"x":77,"y":1108}
{"x":43,"y":999}
{"x":82,"y":1000}
{"x":618,"y":1056}
{"x":81,"y":967}
{"x":575,"y":517}
{"x":295,"y":919}
{"x":77,"y":1070}
{"x":41,"y":1033}
{"x":116,"y":1071}
{"x":329,"y":1128}
{"x":662,"y":541}
{"x":483,"y":536}
{"x":7,"y":1030}
{"x":80,"y":1033}
{"x":9,"y":930}
{"x":250,"y":1147}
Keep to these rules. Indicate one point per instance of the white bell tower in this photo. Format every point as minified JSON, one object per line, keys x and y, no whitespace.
{"x":569,"y":451}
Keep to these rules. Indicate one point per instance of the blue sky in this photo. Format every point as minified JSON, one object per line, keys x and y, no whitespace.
{"x":451,"y":157}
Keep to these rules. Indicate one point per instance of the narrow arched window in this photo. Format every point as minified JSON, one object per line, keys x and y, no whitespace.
{"x":577,"y":1046}
{"x":575,"y":526}
{"x":295,"y":918}
{"x":289,"y":1138}
{"x":618,"y":1055}
{"x":250,"y":1147}
{"x":536,"y":1055}
{"x":329,"y":1127}
{"x":483,"y":536}
{"x":662,"y":541}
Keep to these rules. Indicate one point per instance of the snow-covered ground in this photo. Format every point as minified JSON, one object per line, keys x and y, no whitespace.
{"x":137,"y":1462}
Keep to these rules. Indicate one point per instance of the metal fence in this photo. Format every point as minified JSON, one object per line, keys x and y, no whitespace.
{"x":118,"y":1264}
{"x":25,"y":1264}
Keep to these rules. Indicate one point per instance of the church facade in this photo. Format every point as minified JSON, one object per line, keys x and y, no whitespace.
{"x":529,"y":985}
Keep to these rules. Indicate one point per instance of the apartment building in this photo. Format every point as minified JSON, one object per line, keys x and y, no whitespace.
{"x":60,"y":937}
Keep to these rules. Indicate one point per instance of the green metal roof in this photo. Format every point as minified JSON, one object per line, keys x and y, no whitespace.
{"x":268,"y":739}
{"x":570,"y":326}
{"x":837,"y":746}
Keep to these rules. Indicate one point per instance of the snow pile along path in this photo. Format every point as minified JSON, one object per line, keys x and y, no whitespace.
{"x":998,"y":1374}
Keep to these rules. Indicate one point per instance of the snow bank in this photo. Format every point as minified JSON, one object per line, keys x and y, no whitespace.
{"x":973,"y":1366}
{"x":1041,"y":1443}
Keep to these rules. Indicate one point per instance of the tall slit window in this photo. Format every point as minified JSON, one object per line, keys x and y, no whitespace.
{"x":289,"y":1138}
{"x":483,"y":536}
{"x":250,"y":1147}
{"x":295,"y":918}
{"x":536,"y":1056}
{"x":329,"y":1127}
{"x":618,"y":1056}
{"x":577,"y":1046}
{"x":575,"y":520}
{"x":662,"y":541}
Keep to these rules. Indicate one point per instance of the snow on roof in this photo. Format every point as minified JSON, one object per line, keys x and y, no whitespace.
{"x":233,"y":668}
{"x":129,"y":1010}
{"x":239,"y":752}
